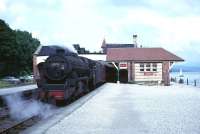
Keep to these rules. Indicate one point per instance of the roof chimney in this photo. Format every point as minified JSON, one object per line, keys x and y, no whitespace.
{"x":135,"y":40}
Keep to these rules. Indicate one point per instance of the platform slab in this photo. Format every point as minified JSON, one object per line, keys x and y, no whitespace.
{"x":11,"y":90}
{"x":134,"y":109}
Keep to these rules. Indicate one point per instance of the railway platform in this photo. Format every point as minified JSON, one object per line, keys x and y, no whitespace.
{"x":11,"y":90}
{"x":128,"y":109}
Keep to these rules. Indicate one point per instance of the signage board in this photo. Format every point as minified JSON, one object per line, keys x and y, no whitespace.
{"x":123,"y":65}
{"x":148,"y":73}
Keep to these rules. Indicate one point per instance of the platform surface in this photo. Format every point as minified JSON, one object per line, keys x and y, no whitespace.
{"x":11,"y":90}
{"x":133,"y":109}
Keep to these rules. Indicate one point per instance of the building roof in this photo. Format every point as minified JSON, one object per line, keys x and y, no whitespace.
{"x":94,"y":56}
{"x":115,"y":45}
{"x":119,"y":45}
{"x":103,"y":43}
{"x":140,"y":54}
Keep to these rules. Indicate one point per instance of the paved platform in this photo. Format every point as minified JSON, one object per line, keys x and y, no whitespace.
{"x":11,"y":90}
{"x":129,"y":109}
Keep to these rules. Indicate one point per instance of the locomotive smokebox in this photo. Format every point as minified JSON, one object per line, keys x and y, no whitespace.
{"x":57,"y":66}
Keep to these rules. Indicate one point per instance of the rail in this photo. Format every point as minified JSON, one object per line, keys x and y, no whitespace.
{"x":16,"y":127}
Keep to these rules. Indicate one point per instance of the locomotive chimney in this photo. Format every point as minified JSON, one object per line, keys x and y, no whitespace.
{"x":135,"y":40}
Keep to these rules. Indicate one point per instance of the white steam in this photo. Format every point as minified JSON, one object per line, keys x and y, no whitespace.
{"x":70,"y":48}
{"x":67,"y":46}
{"x":21,"y":109}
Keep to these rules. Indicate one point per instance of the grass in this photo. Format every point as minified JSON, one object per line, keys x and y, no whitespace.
{"x":4,"y":84}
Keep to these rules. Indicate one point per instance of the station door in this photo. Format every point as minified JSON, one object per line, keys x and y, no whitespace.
{"x":123,"y":76}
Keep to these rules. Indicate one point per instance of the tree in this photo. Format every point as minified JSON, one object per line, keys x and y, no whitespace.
{"x":7,"y":47}
{"x":16,"y":49}
{"x":26,"y":47}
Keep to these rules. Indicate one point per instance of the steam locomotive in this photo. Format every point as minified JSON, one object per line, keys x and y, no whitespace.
{"x":62,"y":75}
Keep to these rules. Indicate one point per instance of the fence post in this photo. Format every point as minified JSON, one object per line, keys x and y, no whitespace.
{"x":187,"y":82}
{"x":195,"y":83}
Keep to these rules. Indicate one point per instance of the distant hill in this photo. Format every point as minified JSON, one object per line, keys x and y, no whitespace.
{"x":185,"y":68}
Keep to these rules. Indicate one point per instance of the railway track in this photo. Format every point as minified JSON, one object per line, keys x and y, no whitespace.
{"x":15,"y":127}
{"x":4,"y":113}
{"x":10,"y":125}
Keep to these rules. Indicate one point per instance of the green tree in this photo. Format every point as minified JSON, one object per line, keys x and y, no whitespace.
{"x":26,"y":47}
{"x":7,"y":47}
{"x":16,"y":49}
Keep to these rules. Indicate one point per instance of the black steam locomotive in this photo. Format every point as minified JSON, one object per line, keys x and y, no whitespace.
{"x":64,"y":75}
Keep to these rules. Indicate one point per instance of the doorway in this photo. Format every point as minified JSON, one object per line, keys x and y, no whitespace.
{"x":123,"y":76}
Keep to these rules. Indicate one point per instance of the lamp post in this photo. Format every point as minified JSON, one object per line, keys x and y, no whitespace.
{"x":117,"y":68}
{"x":118,"y":76}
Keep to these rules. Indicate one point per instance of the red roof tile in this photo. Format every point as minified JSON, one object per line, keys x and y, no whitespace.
{"x":140,"y":54}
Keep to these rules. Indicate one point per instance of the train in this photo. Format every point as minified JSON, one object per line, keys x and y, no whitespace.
{"x":62,"y":75}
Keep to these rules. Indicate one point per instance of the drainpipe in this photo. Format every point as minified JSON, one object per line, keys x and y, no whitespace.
{"x":117,"y":68}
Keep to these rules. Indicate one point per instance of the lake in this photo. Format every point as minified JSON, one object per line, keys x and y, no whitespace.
{"x":191,"y":76}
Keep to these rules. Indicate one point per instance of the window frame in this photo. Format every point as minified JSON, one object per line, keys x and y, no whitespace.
{"x":142,"y":65}
{"x":148,"y":67}
{"x":154,"y":67}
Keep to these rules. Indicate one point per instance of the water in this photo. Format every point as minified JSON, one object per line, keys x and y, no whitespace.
{"x":191,"y":76}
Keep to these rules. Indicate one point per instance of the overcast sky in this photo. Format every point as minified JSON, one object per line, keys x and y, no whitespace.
{"x":171,"y":24}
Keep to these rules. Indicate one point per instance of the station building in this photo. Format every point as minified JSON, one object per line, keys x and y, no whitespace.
{"x":137,"y":64}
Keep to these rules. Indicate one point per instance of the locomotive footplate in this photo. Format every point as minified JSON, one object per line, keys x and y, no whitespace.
{"x":54,"y":86}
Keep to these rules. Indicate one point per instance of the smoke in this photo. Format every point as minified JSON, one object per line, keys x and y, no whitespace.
{"x":20,"y":108}
{"x":70,"y":48}
{"x":66,"y":46}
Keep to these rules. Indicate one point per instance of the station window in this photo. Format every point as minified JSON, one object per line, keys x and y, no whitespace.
{"x":148,"y":67}
{"x":154,"y":67}
{"x":142,"y":67}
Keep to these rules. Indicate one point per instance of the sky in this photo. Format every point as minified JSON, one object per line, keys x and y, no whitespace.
{"x":171,"y":24}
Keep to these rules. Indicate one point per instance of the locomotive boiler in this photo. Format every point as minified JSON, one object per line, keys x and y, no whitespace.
{"x":62,"y":75}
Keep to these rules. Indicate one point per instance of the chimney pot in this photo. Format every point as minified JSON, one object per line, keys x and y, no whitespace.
{"x":135,"y":40}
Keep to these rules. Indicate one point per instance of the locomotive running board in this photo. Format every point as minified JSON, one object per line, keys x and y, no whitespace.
{"x":54,"y":86}
{"x":82,"y":78}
